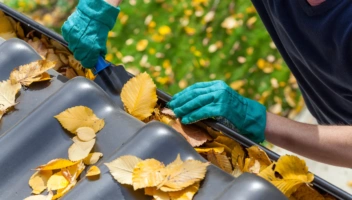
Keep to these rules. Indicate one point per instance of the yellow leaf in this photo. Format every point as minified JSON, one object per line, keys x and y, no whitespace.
{"x":237,"y":171}
{"x":80,"y":149}
{"x":122,"y":168}
{"x":139,"y":96}
{"x":57,"y":181}
{"x":185,"y":194}
{"x":193,"y":134}
{"x":8,"y":93}
{"x":142,"y":45}
{"x":89,"y":75}
{"x":39,"y":180}
{"x":213,"y":133}
{"x":85,"y":134}
{"x":92,"y":158}
{"x":288,"y":174}
{"x":237,"y":155}
{"x":7,"y":31}
{"x":251,"y":165}
{"x":220,"y":160}
{"x":62,"y":192}
{"x":19,"y":31}
{"x":157,"y":194}
{"x":305,"y":192}
{"x":32,"y":72}
{"x":206,"y":150}
{"x":72,"y":173}
{"x":80,"y":116}
{"x":56,"y":164}
{"x":76,"y":65}
{"x":180,"y":175}
{"x":40,"y":197}
{"x":258,"y":154}
{"x":215,"y":144}
{"x":147,"y":173}
{"x":93,"y":171}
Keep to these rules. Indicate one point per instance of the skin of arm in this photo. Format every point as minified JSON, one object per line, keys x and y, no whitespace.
{"x":114,"y":2}
{"x":327,"y":144}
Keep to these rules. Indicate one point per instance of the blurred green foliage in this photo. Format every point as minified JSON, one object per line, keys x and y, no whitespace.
{"x":181,"y":42}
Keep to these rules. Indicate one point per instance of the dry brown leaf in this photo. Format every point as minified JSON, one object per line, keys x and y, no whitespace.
{"x":185,"y":194}
{"x":56,"y":164}
{"x":215,"y":144}
{"x":57,"y":181}
{"x":122,"y":168}
{"x":168,"y":112}
{"x":38,"y":181}
{"x":40,"y":197}
{"x":32,"y":72}
{"x":80,"y":149}
{"x":38,"y":46}
{"x":93,"y":171}
{"x":76,"y":65}
{"x":19,"y":30}
{"x":206,"y":150}
{"x":180,"y":175}
{"x":139,"y":96}
{"x":8,"y":93}
{"x":51,"y":56}
{"x":193,"y":134}
{"x":92,"y":158}
{"x":70,"y":73}
{"x":258,"y":154}
{"x":237,"y":171}
{"x":85,"y":134}
{"x":7,"y":31}
{"x":292,"y":172}
{"x":79,"y":116}
{"x":147,"y":173}
{"x":305,"y":192}
{"x":220,"y":160}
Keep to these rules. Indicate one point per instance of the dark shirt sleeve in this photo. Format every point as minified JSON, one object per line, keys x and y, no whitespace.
{"x":316,"y":43}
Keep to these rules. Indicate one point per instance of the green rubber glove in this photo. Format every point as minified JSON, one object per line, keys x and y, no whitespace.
{"x":86,"y":30}
{"x":217,"y":99}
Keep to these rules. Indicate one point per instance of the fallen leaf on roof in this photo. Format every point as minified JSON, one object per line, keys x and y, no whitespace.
{"x":85,"y":134}
{"x":147,"y":173}
{"x":206,"y":150}
{"x":92,"y":158}
{"x":80,"y":149}
{"x":122,"y":168}
{"x":79,"y":116}
{"x":258,"y":154}
{"x":288,"y":174}
{"x":56,"y":164}
{"x":40,"y":197}
{"x":185,"y":194}
{"x":38,"y":181}
{"x":32,"y":72}
{"x":180,"y":175}
{"x":8,"y":94}
{"x":57,"y":181}
{"x":194,"y":135}
{"x":139,"y":96}
{"x":93,"y":171}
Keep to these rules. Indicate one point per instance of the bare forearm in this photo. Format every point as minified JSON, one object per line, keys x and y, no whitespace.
{"x":328,"y":144}
{"x":114,"y":2}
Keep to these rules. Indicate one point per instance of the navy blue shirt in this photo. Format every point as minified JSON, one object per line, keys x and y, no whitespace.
{"x":316,"y":43}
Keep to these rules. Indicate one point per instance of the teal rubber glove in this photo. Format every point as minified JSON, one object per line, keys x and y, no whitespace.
{"x":217,"y":99}
{"x":86,"y":30}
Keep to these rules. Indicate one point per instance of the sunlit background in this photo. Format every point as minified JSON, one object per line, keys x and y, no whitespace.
{"x":181,"y":42}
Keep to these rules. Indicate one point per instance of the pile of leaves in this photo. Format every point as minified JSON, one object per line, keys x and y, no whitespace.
{"x":179,"y":180}
{"x":23,"y":76}
{"x":47,"y":48}
{"x":60,"y":175}
{"x":289,"y":174}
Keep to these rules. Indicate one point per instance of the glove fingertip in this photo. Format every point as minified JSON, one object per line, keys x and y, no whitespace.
{"x":186,"y":120}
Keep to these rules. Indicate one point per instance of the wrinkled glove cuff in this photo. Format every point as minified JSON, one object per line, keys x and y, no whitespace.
{"x":255,"y":121}
{"x":99,"y":10}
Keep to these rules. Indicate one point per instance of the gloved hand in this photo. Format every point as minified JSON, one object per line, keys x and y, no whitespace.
{"x":217,"y":99}
{"x":86,"y":30}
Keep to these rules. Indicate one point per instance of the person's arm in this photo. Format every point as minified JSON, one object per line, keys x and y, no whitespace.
{"x":328,"y":144}
{"x":114,"y":2}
